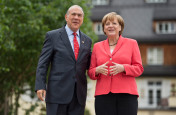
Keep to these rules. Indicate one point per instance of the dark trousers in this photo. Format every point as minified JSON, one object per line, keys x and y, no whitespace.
{"x":116,"y":104}
{"x":73,"y":108}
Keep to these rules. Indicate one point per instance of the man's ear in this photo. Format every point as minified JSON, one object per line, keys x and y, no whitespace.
{"x":66,"y":17}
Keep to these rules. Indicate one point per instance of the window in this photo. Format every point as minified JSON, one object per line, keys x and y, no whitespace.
{"x":173,"y":90}
{"x":98,"y":28}
{"x":100,"y":2}
{"x":150,"y":96}
{"x":154,"y":93}
{"x":155,"y":1}
{"x":165,"y":27}
{"x":155,"y":56}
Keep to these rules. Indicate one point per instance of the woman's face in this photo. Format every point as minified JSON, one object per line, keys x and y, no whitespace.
{"x":112,"y":28}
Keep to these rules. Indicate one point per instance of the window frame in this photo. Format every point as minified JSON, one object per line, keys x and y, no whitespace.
{"x":155,"y":100}
{"x":153,"y":53}
{"x":98,"y":32}
{"x":165,"y":27}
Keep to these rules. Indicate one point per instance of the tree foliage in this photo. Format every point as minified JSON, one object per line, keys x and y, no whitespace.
{"x":23,"y":24}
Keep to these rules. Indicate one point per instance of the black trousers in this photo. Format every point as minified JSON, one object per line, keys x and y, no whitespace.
{"x":116,"y":104}
{"x":73,"y":108}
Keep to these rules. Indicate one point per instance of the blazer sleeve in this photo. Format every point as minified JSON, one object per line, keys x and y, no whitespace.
{"x":136,"y":68}
{"x":93,"y":65}
{"x":43,"y":63}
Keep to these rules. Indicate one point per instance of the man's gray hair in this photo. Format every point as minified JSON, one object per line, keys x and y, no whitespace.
{"x":75,"y":6}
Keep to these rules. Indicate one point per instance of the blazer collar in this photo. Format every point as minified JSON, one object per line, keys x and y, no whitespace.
{"x":107,"y":48}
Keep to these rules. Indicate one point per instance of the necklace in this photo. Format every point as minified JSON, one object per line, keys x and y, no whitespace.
{"x":113,"y":44}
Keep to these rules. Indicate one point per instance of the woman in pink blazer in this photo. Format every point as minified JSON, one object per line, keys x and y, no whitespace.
{"x":115,"y":62}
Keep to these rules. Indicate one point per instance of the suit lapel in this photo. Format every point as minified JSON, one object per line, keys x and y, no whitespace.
{"x":66,"y":41}
{"x":82,"y":45}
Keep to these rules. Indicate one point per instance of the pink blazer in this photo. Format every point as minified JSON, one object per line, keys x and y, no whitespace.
{"x":126,"y":53}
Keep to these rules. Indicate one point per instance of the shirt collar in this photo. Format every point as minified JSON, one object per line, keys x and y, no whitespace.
{"x":69,"y":31}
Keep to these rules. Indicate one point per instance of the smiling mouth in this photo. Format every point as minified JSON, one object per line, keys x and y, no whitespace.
{"x":111,"y":30}
{"x":76,"y":22}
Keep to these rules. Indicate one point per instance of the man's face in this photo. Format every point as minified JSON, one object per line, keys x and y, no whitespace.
{"x":74,"y":18}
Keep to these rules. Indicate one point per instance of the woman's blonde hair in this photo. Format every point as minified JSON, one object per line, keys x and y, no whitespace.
{"x":111,"y":16}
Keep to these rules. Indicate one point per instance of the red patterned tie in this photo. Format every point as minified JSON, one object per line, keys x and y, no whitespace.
{"x":76,"y":46}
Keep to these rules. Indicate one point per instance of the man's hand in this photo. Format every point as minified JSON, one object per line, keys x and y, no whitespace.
{"x":102,"y":69}
{"x":41,"y":94}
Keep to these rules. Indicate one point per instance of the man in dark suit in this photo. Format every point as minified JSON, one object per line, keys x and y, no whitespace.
{"x":67,"y":52}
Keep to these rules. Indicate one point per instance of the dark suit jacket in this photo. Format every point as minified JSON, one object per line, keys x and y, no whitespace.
{"x":65,"y":70}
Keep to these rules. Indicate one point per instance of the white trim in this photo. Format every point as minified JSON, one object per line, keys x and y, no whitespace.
{"x":155,"y":1}
{"x":100,"y":2}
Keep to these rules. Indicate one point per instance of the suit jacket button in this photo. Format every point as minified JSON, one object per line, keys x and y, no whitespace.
{"x":109,"y":74}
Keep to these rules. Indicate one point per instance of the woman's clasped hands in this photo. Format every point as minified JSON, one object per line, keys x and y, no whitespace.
{"x":113,"y":70}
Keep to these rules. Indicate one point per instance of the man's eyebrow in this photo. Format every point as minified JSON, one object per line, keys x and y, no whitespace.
{"x":76,"y":13}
